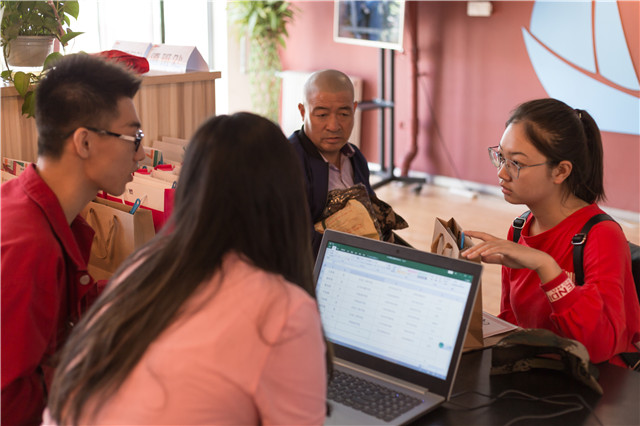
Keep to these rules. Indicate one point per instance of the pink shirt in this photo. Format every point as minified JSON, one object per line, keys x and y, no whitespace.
{"x":251,"y":352}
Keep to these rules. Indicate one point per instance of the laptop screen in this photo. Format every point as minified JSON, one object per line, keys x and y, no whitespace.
{"x":394,"y":303}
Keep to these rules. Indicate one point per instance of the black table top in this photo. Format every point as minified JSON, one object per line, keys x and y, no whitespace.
{"x":619,"y":405}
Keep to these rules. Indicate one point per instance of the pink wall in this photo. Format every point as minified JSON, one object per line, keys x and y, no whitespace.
{"x":471,"y":72}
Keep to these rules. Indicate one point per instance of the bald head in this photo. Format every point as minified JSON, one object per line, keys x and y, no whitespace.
{"x":329,"y":81}
{"x":328,"y":111}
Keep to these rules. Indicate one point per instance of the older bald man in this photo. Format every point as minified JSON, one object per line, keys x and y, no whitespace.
{"x":329,"y":161}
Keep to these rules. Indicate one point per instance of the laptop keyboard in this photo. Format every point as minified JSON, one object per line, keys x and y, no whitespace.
{"x":368,"y":397}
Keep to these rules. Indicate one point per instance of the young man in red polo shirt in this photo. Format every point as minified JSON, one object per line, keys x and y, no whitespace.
{"x":88,"y":140}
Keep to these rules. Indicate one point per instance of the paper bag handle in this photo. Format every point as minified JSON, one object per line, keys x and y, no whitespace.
{"x":445,"y":249}
{"x":109,"y":243}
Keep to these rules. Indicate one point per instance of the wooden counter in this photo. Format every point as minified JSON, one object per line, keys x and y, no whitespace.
{"x":168,"y":105}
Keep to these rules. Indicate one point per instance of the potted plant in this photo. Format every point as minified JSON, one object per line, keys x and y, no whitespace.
{"x":25,"y":25}
{"x":265,"y":24}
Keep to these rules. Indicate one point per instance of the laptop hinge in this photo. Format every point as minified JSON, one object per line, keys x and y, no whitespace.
{"x":381,"y":376}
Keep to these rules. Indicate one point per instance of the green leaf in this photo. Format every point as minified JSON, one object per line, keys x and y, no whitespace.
{"x":252,"y":23}
{"x":6,"y":75}
{"x":72,"y":8}
{"x":29,"y":105}
{"x":11,"y":32}
{"x":21,"y":82}
{"x":69,"y":36}
{"x":51,"y":59}
{"x":274,"y":21}
{"x":50,"y":25}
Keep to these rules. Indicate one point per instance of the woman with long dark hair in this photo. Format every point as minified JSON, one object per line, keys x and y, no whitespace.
{"x":550,"y":158}
{"x":215,"y":320}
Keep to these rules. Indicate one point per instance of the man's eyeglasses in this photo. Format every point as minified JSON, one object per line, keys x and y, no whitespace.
{"x":135,"y":139}
{"x":512,"y":167}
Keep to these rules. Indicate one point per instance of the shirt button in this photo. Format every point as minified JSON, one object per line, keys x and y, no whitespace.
{"x":85,"y":279}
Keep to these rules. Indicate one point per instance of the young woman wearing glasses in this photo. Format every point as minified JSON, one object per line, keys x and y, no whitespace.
{"x":550,"y":159}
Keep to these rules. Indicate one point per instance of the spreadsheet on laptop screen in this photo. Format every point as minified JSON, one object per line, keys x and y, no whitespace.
{"x":396,"y":309}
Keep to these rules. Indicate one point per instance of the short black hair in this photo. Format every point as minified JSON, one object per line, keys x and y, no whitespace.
{"x":81,"y":90}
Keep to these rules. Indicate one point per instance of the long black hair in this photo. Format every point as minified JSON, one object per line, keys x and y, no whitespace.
{"x":561,"y":133}
{"x":240,"y":190}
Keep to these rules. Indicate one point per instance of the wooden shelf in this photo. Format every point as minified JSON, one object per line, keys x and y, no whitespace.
{"x":168,"y":105}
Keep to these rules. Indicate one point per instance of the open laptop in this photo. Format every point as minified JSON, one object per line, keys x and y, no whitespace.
{"x":397,"y":318}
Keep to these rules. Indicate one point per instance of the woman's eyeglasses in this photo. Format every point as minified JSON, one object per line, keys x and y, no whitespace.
{"x":512,"y":167}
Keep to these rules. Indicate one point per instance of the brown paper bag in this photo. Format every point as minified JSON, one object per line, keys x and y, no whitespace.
{"x":118,"y":233}
{"x":446,"y":241}
{"x":6,"y":176}
{"x":353,"y":218}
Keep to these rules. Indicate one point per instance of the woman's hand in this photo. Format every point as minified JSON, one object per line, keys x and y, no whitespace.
{"x":512,"y":255}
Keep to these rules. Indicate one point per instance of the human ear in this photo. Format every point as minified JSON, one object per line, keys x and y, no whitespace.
{"x":562,"y":171}
{"x":301,"y":109}
{"x":80,"y":142}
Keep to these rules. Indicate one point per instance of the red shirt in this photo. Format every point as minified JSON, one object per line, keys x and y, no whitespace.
{"x":603,"y":314}
{"x":45,"y":287}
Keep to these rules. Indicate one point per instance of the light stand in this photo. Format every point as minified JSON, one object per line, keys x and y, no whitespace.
{"x":383,"y":104}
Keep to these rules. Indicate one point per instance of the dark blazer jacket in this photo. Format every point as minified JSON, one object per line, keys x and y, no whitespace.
{"x":316,"y":173}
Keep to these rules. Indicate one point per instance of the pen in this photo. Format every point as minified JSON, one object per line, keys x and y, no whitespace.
{"x":137,"y":204}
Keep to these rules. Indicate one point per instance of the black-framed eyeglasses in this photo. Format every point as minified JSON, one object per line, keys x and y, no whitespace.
{"x":135,"y":139}
{"x":512,"y":167}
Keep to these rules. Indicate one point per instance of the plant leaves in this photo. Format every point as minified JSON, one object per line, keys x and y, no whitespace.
{"x":29,"y":104}
{"x":68,"y":36}
{"x":36,"y":17}
{"x":72,"y":8}
{"x":11,"y":32}
{"x":252,"y":23}
{"x":50,"y":25}
{"x":21,"y":83}
{"x":51,"y":59}
{"x":273,"y":20}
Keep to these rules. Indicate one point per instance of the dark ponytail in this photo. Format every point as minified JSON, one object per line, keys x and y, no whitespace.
{"x":592,"y":187}
{"x":561,"y":133}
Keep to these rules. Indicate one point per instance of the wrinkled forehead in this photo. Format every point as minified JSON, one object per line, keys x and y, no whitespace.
{"x":330,"y":84}
{"x":330,"y":100}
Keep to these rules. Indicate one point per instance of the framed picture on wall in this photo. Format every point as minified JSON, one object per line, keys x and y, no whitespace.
{"x":377,"y":23}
